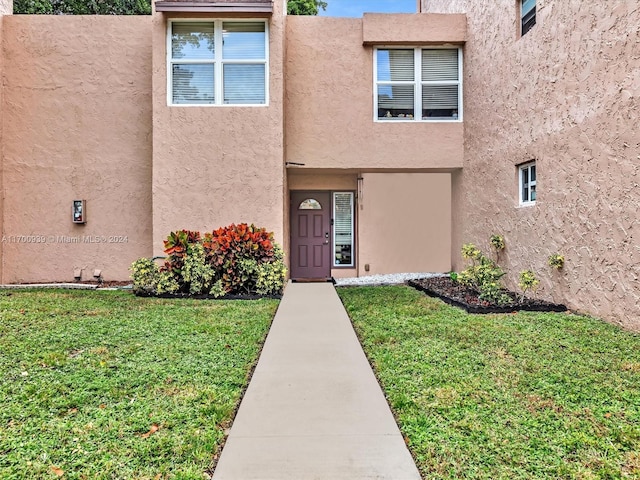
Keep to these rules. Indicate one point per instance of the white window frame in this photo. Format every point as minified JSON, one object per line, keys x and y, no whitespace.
{"x":521,"y":188}
{"x":353,"y":242}
{"x":417,"y":95}
{"x":217,"y":60}
{"x":526,"y":14}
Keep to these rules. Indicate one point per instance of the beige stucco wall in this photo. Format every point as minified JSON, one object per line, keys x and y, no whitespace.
{"x":412,"y":29}
{"x":404,"y":223}
{"x":329,"y":105}
{"x":565,"y":94}
{"x":5,"y":8}
{"x":217,"y":165}
{"x":322,"y":181}
{"x":76,"y":122}
{"x":445,"y":6}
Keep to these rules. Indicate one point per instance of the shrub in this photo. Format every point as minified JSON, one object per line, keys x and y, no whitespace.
{"x":167,"y":283}
{"x":226,"y":247}
{"x":556,"y":261}
{"x":271,"y":275}
{"x":235,"y":259}
{"x":196,"y":273}
{"x":145,"y":275}
{"x":176,"y":247}
{"x":471,"y":252}
{"x":217,"y":290}
{"x":497,"y":242}
{"x":528,"y":281}
{"x":483,"y":275}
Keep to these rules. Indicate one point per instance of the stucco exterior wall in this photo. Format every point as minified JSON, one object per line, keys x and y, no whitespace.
{"x":329,"y":105}
{"x":323,"y":181}
{"x":566,"y":95}
{"x":3,"y":11}
{"x":76,"y":121}
{"x":412,"y":29}
{"x":444,"y":6}
{"x":217,"y":165}
{"x":404,"y":223}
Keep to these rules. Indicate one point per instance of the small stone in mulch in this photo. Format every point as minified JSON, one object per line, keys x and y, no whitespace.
{"x":468,"y":299}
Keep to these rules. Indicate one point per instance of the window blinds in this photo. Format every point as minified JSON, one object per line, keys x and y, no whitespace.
{"x":433,"y":74}
{"x":193,"y":83}
{"x":193,"y":41}
{"x":218,"y":62}
{"x":243,"y":40}
{"x":343,"y":227}
{"x":440,"y":65}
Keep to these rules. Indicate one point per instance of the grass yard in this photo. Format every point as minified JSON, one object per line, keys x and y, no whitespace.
{"x":515,"y":396}
{"x":107,"y":385}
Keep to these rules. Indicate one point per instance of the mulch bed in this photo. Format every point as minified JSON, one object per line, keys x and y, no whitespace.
{"x":466,"y":298}
{"x":209,"y":297}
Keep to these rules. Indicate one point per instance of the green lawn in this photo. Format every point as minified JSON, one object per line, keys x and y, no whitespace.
{"x":107,"y":385}
{"x":524,"y":395}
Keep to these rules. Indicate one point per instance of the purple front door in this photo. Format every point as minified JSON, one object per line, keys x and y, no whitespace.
{"x":310,"y":235}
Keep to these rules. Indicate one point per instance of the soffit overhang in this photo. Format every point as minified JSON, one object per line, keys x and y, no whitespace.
{"x":219,"y":6}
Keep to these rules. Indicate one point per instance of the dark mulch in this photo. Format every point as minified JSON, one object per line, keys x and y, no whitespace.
{"x":467,"y":298}
{"x":209,"y":297}
{"x":108,"y":283}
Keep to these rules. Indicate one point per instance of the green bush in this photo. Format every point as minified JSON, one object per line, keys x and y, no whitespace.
{"x":556,"y":261}
{"x":196,"y":272}
{"x":271,"y":275}
{"x":483,"y":275}
{"x":238,"y":259}
{"x":528,"y":281}
{"x":497,"y":242}
{"x":167,"y":283}
{"x":145,"y":276}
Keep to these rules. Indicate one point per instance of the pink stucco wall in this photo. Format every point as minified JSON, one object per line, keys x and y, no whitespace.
{"x":5,"y":9}
{"x":445,"y":6}
{"x":217,"y":165}
{"x":404,"y":223}
{"x":329,"y":103}
{"x":76,"y":122}
{"x":565,"y":94}
{"x":412,"y":29}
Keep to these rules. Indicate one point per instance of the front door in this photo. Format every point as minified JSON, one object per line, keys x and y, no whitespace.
{"x":310,"y":235}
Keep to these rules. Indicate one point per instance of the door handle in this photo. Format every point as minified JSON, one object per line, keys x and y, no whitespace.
{"x":326,"y":236}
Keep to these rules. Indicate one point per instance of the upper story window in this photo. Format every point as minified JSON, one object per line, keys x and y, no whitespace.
{"x":218,"y":62}
{"x":418,"y":84}
{"x":527,"y":15}
{"x":527,"y":175}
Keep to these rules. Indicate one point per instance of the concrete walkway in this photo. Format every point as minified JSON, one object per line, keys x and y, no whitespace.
{"x":314,"y":409}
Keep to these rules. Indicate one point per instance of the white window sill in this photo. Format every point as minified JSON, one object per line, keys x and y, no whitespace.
{"x":409,"y":120}
{"x":213,"y":105}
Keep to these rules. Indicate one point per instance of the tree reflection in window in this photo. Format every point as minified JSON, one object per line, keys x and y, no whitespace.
{"x":310,"y":204}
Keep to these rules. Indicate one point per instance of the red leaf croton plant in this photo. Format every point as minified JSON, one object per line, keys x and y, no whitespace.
{"x":230,"y":260}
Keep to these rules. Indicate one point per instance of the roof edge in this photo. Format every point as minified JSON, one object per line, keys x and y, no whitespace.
{"x":213,"y":6}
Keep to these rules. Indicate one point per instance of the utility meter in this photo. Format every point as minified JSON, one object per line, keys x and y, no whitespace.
{"x":79,"y":211}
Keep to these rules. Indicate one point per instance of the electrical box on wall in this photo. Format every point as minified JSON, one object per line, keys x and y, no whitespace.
{"x":79,"y":211}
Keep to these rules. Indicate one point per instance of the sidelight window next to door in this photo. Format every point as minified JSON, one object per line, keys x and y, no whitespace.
{"x":343,"y":229}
